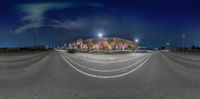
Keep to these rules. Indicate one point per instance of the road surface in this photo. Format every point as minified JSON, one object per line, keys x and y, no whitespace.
{"x":58,"y":75}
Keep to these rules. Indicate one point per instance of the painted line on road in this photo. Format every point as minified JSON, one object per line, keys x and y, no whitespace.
{"x":188,"y":59}
{"x":119,"y":61}
{"x":175,"y":59}
{"x":106,"y":77}
{"x":113,"y":70}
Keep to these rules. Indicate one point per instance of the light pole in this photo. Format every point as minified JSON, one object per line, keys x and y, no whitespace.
{"x":136,"y":41}
{"x":49,"y":44}
{"x":35,"y":41}
{"x":100,"y":35}
{"x":183,"y":42}
{"x":167,"y":45}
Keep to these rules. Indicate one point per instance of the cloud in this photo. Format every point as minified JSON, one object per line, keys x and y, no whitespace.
{"x":28,"y":26}
{"x":34,"y":14}
{"x":81,"y":23}
{"x":70,"y":24}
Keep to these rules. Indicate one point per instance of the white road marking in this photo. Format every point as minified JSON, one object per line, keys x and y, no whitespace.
{"x":182,"y":67}
{"x":105,"y":77}
{"x":119,"y":61}
{"x":113,"y":70}
{"x":183,"y":58}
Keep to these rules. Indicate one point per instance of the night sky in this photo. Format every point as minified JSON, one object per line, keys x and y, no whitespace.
{"x":153,"y":22}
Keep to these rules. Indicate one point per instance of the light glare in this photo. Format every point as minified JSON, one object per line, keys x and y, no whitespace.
{"x":100,"y":35}
{"x":136,"y":40}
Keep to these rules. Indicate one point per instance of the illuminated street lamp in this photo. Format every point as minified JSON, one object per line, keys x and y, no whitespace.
{"x":183,"y":41}
{"x":167,"y":43}
{"x":100,"y":35}
{"x":136,"y":40}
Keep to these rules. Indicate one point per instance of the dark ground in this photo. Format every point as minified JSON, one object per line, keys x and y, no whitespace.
{"x":163,"y":76}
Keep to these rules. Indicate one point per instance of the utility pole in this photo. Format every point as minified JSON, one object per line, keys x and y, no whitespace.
{"x":183,"y":42}
{"x":35,"y":41}
{"x":49,"y":44}
{"x":168,"y":45}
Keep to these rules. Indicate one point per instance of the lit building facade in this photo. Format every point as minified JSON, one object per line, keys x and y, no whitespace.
{"x":103,"y":44}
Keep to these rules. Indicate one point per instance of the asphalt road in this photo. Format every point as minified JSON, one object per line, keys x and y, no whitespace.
{"x":58,"y":75}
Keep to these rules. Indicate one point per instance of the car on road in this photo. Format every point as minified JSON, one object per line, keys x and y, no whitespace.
{"x":71,"y":51}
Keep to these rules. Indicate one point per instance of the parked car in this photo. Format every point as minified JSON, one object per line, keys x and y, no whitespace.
{"x":71,"y":51}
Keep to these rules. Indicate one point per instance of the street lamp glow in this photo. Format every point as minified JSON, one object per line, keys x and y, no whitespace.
{"x":136,"y":40}
{"x":100,"y":35}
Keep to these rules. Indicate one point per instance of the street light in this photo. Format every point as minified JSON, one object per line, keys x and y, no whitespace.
{"x":183,"y":42}
{"x":136,"y":40}
{"x":100,"y":35}
{"x":168,"y":44}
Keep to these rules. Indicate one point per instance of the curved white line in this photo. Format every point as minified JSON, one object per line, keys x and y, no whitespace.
{"x":119,"y":61}
{"x":106,"y":77}
{"x":114,"y":70}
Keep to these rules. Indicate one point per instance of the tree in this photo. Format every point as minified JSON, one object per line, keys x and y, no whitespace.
{"x":110,"y":42}
{"x":79,"y":47}
{"x":193,"y":47}
{"x":162,"y":48}
{"x":130,"y":46}
{"x":90,"y":45}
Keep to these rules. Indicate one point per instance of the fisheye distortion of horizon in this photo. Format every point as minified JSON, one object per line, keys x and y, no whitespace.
{"x":153,"y":22}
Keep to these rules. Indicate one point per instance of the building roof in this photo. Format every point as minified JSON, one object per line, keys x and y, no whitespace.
{"x":106,"y":38}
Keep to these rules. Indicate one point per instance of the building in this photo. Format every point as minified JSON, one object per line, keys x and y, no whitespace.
{"x":103,"y":44}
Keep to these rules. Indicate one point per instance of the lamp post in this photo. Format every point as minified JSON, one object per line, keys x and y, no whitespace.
{"x":35,"y":40}
{"x":167,"y":45}
{"x":100,"y":35}
{"x":183,"y":42}
{"x":136,"y":41}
